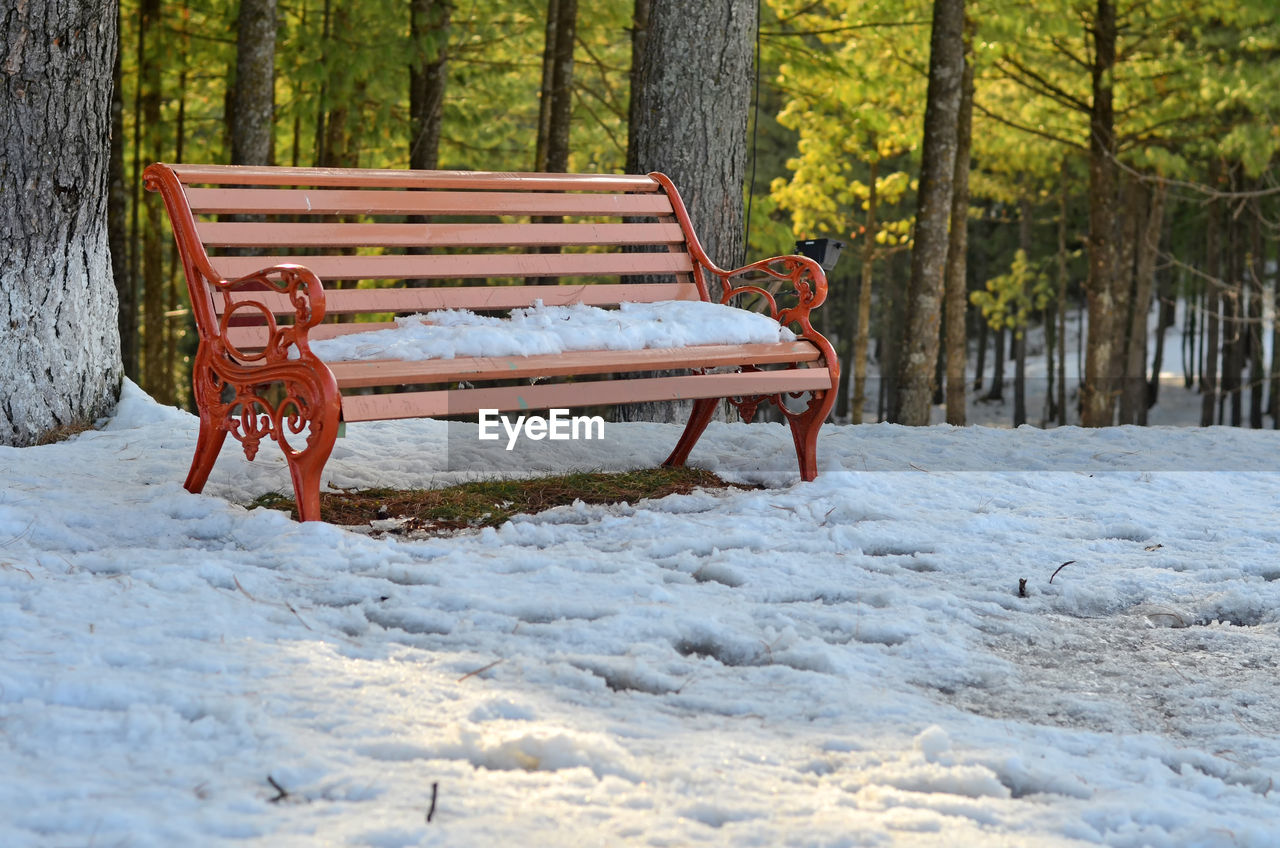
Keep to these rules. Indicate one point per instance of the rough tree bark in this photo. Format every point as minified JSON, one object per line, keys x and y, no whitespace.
{"x":1098,"y":391}
{"x":59,"y":343}
{"x":253,"y":98}
{"x":429,"y":22}
{"x":933,"y":210}
{"x":690,"y":102}
{"x":957,"y":299}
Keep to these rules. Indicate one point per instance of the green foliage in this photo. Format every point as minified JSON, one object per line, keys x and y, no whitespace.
{"x":1009,"y":299}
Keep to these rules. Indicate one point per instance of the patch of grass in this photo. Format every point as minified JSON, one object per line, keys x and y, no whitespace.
{"x":62,"y":433}
{"x":491,"y":502}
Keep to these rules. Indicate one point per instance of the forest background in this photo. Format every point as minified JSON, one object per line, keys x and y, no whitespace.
{"x":1114,"y":154}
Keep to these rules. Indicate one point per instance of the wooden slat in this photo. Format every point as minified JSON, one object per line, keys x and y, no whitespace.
{"x":253,"y":338}
{"x":454,"y":266}
{"x":570,"y":395}
{"x":282,"y":201}
{"x":354,"y":301}
{"x":289,"y":234}
{"x":352,"y":375}
{"x":256,"y":175}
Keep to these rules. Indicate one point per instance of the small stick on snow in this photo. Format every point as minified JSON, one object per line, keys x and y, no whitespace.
{"x":435,"y":789}
{"x":1059,"y":568}
{"x":480,"y":670}
{"x":284,"y":793}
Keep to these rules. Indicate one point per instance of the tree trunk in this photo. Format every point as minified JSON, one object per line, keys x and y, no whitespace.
{"x":59,"y":341}
{"x":1253,"y":283}
{"x":118,"y":226}
{"x":690,"y":103}
{"x":254,"y":94}
{"x":157,"y":379}
{"x":1133,"y":400}
{"x":556,"y":105}
{"x":1020,"y":329}
{"x":1058,"y":401}
{"x":996,"y":392}
{"x":933,"y":209}
{"x":863,"y":333}
{"x":1098,"y":391}
{"x":1212,"y":266}
{"x":429,"y":22}
{"x":957,"y":294}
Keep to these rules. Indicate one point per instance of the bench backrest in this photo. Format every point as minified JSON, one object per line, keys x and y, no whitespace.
{"x":404,"y":241}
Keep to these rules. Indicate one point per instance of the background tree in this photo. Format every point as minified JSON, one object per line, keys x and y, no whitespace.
{"x":59,"y":341}
{"x":253,"y":101}
{"x":929,"y":251}
{"x":428,"y":79}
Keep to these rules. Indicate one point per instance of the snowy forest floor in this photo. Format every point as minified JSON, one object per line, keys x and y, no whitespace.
{"x":837,"y":663}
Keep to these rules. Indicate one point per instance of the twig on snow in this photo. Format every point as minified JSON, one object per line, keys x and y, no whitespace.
{"x":431,"y":811}
{"x":481,"y":670}
{"x":284,"y":793}
{"x":1059,"y":568}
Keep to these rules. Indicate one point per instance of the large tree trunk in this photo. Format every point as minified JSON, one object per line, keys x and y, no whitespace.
{"x":690,"y":100}
{"x":1098,"y":391}
{"x":59,"y":343}
{"x":253,"y":99}
{"x":429,"y":22}
{"x":933,"y":209}
{"x":957,"y":295}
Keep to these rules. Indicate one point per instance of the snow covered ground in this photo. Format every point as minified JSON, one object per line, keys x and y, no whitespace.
{"x":846,"y":662}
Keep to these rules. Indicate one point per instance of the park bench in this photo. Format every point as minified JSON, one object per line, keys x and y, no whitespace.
{"x":279,"y":258}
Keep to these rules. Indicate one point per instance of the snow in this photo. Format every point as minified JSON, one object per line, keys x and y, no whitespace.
{"x":539,"y":329}
{"x":844,"y":662}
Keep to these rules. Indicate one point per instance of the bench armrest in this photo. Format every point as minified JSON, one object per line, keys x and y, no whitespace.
{"x":766,"y":277}
{"x":261,"y":294}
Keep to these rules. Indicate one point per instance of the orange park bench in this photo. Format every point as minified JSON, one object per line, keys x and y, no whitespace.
{"x":280,"y":259}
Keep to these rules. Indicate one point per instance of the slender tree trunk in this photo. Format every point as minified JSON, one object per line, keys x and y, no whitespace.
{"x":1253,"y":282}
{"x":690,"y":102}
{"x":933,"y":209}
{"x":1020,"y":329}
{"x":1134,"y":400}
{"x":957,"y":294}
{"x":980,"y":367}
{"x":253,"y":99}
{"x":996,"y":392}
{"x":1273,"y":405}
{"x":1232,"y":321}
{"x":429,"y":24}
{"x":1059,"y":404}
{"x":1212,"y":268}
{"x":1098,"y":390}
{"x":863,"y":333}
{"x":556,"y":106}
{"x":59,"y":340}
{"x":118,"y":226}
{"x":155,"y":369}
